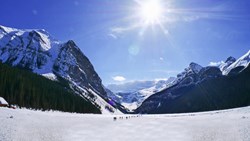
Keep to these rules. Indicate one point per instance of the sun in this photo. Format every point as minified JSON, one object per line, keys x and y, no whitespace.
{"x":147,"y":16}
{"x":151,"y":11}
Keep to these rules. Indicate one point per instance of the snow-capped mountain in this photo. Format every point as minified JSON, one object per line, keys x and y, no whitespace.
{"x":132,"y":94}
{"x":231,"y":63}
{"x":223,"y":65}
{"x":37,"y":51}
{"x":241,"y":63}
{"x":230,"y":60}
{"x":193,"y":69}
{"x":202,"y":83}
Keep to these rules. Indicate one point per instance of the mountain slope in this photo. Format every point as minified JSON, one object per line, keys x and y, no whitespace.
{"x":39,"y":52}
{"x":30,"y":90}
{"x":206,"y":90}
{"x":241,"y":62}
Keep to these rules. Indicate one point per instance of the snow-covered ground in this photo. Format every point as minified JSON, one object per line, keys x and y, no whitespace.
{"x":28,"y":125}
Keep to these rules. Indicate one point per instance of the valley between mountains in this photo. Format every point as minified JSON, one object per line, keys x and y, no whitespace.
{"x":31,"y":55}
{"x":57,"y":95}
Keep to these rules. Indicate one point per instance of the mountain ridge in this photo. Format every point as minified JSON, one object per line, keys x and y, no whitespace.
{"x":36,"y":50}
{"x":190,"y":83}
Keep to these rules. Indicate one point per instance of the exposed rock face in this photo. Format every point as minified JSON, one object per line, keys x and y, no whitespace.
{"x":190,"y":73}
{"x":242,"y":61}
{"x":196,"y":84}
{"x":23,"y":51}
{"x":230,"y":60}
{"x":74,"y":65}
{"x":40,"y":53}
{"x":210,"y":72}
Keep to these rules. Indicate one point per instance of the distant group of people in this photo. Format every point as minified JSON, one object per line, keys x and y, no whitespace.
{"x":126,"y":117}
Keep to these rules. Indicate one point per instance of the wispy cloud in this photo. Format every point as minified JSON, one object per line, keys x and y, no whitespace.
{"x":119,"y":78}
{"x":113,"y":36}
{"x":159,"y":79}
{"x":119,"y":29}
{"x":122,"y":29}
{"x":191,"y":18}
{"x":216,"y":63}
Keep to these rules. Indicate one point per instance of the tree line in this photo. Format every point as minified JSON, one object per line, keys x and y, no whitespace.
{"x":26,"y":89}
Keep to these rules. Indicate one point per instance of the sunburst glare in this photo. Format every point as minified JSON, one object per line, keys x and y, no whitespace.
{"x":151,"y":11}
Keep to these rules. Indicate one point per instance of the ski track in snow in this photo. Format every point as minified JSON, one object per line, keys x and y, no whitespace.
{"x":28,"y":125}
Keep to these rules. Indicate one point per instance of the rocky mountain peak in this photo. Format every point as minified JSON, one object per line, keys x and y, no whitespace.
{"x":195,"y":67}
{"x":242,"y":62}
{"x":73,"y":64}
{"x":71,"y":43}
{"x":36,"y":51}
{"x":230,"y":59}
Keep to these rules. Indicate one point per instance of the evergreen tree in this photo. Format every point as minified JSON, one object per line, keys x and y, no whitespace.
{"x":26,"y":89}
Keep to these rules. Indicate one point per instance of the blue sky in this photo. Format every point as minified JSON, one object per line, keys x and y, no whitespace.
{"x":110,"y":33}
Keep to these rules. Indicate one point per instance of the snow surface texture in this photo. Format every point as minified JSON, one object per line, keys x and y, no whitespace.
{"x":27,"y":125}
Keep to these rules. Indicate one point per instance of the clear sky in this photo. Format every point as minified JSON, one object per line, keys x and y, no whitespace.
{"x":130,"y":40}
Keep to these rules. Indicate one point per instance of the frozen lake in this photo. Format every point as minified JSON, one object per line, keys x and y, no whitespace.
{"x":29,"y":125}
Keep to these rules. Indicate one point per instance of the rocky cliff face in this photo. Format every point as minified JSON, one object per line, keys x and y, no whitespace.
{"x":72,"y":64}
{"x":40,"y":53}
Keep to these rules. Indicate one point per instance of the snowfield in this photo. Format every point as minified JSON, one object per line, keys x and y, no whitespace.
{"x":28,"y":125}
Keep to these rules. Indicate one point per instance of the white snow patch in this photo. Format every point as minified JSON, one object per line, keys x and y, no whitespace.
{"x":3,"y":101}
{"x":50,"y":76}
{"x":98,"y":100}
{"x":46,"y":44}
{"x":8,"y":29}
{"x":130,"y":106}
{"x":103,"y":104}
